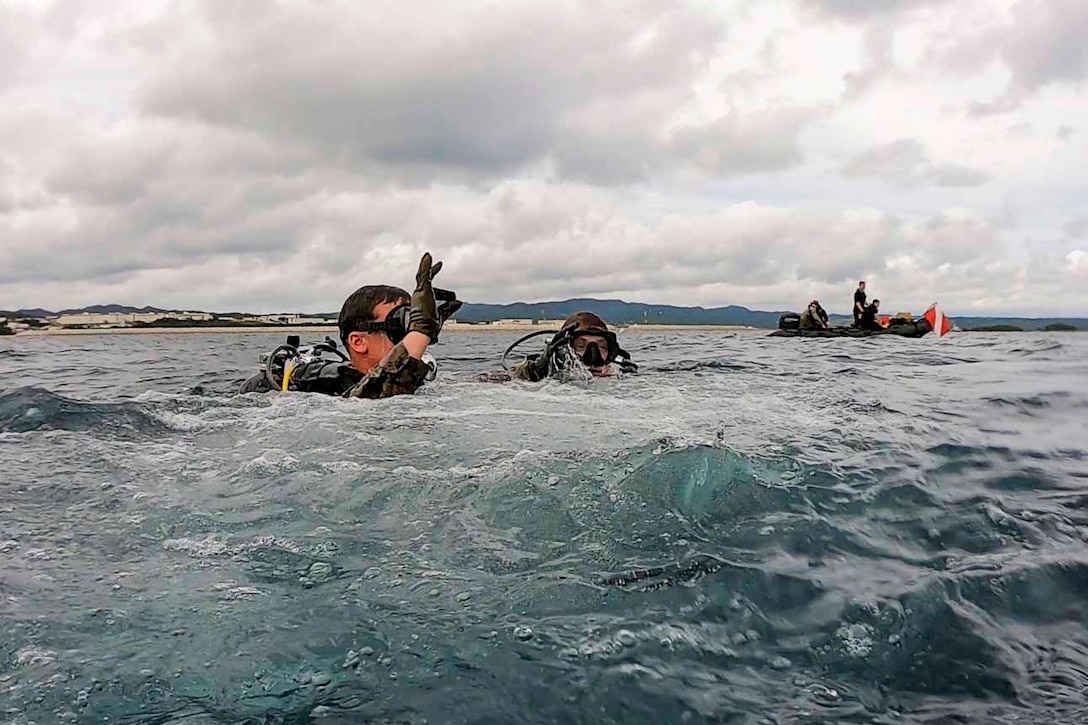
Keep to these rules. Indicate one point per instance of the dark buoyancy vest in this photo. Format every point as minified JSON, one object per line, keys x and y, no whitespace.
{"x":329,"y":377}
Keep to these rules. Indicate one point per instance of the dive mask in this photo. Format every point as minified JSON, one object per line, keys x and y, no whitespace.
{"x":589,"y":352}
{"x":395,"y":324}
{"x":565,"y":343}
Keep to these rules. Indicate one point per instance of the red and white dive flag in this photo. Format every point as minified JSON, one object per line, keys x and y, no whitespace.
{"x":937,"y":321}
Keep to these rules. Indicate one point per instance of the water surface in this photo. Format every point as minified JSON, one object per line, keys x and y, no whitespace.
{"x":753,"y":530}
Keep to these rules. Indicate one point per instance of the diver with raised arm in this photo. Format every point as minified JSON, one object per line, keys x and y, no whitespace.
{"x":386,"y":333}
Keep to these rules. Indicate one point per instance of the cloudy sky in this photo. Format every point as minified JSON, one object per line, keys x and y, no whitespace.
{"x":276,"y":154}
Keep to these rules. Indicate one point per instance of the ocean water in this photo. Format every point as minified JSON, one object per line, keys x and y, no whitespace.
{"x":752,"y":530}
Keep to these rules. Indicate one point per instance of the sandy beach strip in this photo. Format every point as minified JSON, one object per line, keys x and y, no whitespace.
{"x":308,"y":331}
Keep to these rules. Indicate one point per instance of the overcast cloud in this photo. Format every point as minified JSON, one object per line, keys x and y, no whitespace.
{"x":274,"y":155}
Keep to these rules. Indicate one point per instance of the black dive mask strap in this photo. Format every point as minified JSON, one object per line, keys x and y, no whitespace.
{"x":623,"y":359}
{"x":395,"y":324}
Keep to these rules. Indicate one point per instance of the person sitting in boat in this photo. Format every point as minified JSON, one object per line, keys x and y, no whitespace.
{"x":583,"y":343}
{"x":868,"y":320}
{"x":814,"y":317}
{"x":386,"y":333}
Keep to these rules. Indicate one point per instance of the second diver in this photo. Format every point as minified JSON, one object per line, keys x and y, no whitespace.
{"x":583,"y":343}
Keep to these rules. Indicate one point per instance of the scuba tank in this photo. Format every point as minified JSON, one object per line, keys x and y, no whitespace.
{"x":279,"y":365}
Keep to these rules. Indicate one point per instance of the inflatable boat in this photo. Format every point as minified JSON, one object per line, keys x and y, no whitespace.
{"x":902,"y":325}
{"x":901,"y":328}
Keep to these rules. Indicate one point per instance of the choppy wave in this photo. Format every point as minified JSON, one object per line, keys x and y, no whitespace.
{"x":752,"y":537}
{"x":34,"y":409}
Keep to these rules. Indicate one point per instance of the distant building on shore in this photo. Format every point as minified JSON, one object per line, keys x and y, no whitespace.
{"x":123,"y":319}
{"x":294,"y":319}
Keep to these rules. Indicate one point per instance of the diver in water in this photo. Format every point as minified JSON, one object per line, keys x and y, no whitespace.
{"x":868,"y":319}
{"x":814,"y":317}
{"x":385,"y":332}
{"x":584,"y":342}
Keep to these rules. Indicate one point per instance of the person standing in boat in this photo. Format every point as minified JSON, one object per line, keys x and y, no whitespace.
{"x":868,"y":320}
{"x":859,"y":303}
{"x":814,"y":317}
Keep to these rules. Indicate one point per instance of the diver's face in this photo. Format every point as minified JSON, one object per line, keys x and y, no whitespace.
{"x":367,"y":349}
{"x":582,"y":342}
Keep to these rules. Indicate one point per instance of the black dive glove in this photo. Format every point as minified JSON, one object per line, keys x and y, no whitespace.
{"x":448,"y":304}
{"x":423,"y":315}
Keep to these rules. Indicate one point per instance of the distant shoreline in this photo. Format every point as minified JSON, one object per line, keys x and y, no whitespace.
{"x":304,"y":330}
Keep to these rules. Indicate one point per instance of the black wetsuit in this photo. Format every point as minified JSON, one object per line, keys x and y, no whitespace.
{"x":859,"y":299}
{"x":320,"y":376}
{"x":868,"y":319}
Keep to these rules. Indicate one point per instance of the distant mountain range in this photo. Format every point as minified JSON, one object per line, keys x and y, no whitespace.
{"x":621,"y":313}
{"x":615,"y":312}
{"x":38,"y":312}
